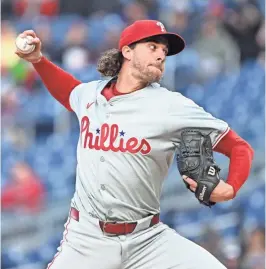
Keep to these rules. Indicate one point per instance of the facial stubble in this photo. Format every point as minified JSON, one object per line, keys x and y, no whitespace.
{"x":143,"y":73}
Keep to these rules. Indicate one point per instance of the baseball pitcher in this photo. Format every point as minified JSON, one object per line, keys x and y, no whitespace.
{"x":130,"y":130}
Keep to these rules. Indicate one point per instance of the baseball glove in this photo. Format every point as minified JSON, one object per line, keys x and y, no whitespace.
{"x":195,"y":160}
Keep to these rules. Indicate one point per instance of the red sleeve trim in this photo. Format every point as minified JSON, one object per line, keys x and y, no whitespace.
{"x":241,"y":155}
{"x":58,"y":82}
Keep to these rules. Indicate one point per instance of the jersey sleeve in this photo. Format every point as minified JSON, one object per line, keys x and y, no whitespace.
{"x":190,"y":115}
{"x":82,"y":95}
{"x":75,"y":97}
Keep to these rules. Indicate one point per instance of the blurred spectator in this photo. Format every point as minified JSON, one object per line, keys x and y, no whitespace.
{"x":24,"y":75}
{"x":9,"y":102}
{"x":86,"y":8}
{"x":231,"y":250}
{"x":261,"y":59}
{"x":135,"y":11}
{"x":75,"y":55}
{"x":24,"y":192}
{"x":180,"y":19}
{"x":152,"y":8}
{"x":6,"y":9}
{"x":227,"y":252}
{"x":17,"y":138}
{"x":111,"y":39}
{"x":244,"y":24}
{"x":211,"y":241}
{"x":218,"y":52}
{"x":44,"y":32}
{"x":216,"y":8}
{"x":8,"y":34}
{"x":254,"y":257}
{"x":260,"y":38}
{"x":32,"y":8}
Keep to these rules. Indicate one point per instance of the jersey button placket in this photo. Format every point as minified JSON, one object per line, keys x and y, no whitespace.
{"x":109,"y":110}
{"x":102,"y":186}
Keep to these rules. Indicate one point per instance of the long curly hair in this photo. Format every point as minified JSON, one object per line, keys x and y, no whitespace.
{"x":110,"y":63}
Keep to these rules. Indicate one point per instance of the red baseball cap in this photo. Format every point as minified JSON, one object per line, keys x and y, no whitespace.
{"x":147,"y":28}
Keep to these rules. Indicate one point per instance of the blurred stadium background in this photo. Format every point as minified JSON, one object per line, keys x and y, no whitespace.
{"x":222,"y":69}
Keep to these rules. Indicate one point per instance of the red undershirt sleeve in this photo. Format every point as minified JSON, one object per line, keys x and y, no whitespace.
{"x":241,"y":156}
{"x":58,"y":82}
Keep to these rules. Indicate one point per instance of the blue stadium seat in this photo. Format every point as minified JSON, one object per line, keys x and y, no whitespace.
{"x":7,"y":260}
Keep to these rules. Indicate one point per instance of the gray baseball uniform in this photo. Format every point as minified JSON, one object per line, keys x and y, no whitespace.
{"x":125,"y":148}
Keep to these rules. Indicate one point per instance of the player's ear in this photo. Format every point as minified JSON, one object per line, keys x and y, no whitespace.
{"x":127,"y":52}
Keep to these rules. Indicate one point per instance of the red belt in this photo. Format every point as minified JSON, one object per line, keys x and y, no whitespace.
{"x":122,"y":228}
{"x":118,"y":228}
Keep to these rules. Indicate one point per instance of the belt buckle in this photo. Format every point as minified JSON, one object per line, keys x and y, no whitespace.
{"x":124,"y":225}
{"x":104,"y":226}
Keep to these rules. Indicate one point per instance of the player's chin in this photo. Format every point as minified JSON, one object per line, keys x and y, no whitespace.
{"x":151,"y":78}
{"x":155,"y":76}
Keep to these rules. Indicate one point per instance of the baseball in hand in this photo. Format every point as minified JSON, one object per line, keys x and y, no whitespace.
{"x":23,"y":46}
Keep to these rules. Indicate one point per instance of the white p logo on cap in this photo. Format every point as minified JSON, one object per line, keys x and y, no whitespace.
{"x":161,"y":25}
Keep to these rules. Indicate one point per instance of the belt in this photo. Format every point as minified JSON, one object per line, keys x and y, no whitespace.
{"x":122,"y":228}
{"x":116,"y":228}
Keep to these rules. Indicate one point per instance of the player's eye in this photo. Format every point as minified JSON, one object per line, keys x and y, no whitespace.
{"x":152,"y":47}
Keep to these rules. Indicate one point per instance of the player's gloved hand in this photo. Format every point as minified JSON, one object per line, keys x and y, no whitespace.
{"x":222,"y":192}
{"x":36,"y":55}
{"x":195,"y":160}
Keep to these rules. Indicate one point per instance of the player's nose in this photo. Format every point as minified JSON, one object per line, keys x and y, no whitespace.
{"x":161,"y":55}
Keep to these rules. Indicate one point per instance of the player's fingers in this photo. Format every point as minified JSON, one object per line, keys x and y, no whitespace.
{"x":193,"y":189}
{"x":29,"y":32}
{"x":22,"y":35}
{"x":37,"y":43}
{"x":19,"y":54}
{"x":190,"y":181}
{"x":34,"y":41}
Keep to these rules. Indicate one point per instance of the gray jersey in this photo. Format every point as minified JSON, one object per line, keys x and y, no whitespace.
{"x":127,"y":144}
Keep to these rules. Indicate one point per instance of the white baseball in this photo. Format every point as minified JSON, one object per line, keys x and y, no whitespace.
{"x":23,"y":46}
